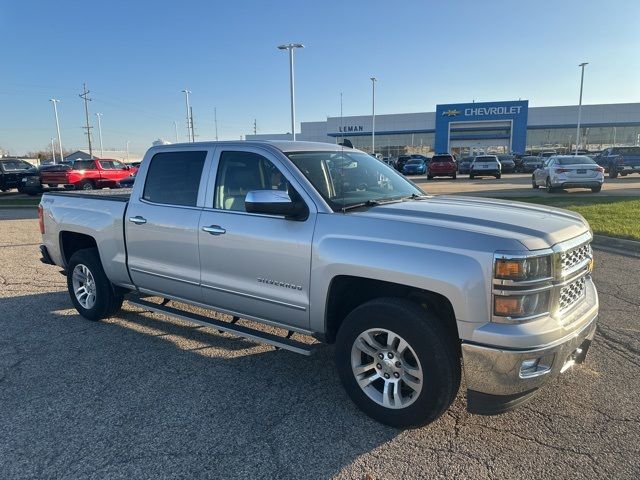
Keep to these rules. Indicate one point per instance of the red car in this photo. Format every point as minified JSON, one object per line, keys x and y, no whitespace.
{"x":88,"y":174}
{"x":442,"y":166}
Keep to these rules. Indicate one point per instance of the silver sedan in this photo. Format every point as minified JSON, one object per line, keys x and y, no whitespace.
{"x":568,"y":171}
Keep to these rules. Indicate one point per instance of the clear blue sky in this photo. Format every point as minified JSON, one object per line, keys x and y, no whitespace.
{"x":136,"y":57}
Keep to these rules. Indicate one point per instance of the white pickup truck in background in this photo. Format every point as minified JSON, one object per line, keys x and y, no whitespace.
{"x":327,"y":241}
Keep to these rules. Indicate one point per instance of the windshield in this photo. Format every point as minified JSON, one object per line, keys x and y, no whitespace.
{"x":576,"y":160}
{"x":350,"y":178}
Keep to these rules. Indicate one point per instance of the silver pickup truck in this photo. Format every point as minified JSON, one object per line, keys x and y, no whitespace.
{"x":329,"y":242}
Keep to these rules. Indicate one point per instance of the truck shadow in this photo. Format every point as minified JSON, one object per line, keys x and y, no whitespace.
{"x":183,"y":398}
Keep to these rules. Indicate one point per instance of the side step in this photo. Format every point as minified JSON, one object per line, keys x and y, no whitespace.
{"x":240,"y":330}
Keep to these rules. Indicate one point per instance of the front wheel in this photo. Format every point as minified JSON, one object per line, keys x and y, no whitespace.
{"x":91,"y":292}
{"x":596,"y":189}
{"x":533,"y":182}
{"x":397,"y":362}
{"x":613,"y":173}
{"x":499,"y":176}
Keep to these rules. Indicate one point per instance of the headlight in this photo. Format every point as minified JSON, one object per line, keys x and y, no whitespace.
{"x":521,"y":306}
{"x":523,"y":269}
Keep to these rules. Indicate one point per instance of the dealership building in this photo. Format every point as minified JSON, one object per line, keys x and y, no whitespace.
{"x":468,"y":128}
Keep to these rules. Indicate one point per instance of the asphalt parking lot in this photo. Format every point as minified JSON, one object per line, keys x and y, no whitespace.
{"x":142,"y":396}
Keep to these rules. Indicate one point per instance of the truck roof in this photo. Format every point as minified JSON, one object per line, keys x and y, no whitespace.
{"x":282,"y":145}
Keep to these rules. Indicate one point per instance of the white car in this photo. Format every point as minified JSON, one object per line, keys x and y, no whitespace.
{"x":569,"y":171}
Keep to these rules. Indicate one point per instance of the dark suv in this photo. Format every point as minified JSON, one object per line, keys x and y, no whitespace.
{"x":11,"y":172}
{"x":402,"y":161}
{"x":619,"y":160}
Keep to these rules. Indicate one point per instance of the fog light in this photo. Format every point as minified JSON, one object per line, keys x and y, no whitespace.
{"x":535,"y":367}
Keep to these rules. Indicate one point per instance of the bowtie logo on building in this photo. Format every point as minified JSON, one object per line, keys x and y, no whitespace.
{"x":451,"y":113}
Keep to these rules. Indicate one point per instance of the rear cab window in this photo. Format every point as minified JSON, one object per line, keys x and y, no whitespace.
{"x":173,"y":178}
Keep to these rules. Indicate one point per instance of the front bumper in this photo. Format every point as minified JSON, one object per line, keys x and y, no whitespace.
{"x":494,"y":376}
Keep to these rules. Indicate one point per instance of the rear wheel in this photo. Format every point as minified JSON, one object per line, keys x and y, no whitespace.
{"x":397,"y":362}
{"x":429,"y":177}
{"x":533,"y":182}
{"x":91,"y":292}
{"x":596,"y":189}
{"x":499,"y":176}
{"x":86,"y":185}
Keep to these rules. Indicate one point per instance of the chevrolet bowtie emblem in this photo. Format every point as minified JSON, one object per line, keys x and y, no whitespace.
{"x":451,"y":113}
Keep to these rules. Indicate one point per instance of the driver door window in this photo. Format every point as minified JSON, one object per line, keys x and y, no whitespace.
{"x":242,"y":172}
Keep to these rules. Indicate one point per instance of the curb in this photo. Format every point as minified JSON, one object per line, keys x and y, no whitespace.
{"x":621,"y":246}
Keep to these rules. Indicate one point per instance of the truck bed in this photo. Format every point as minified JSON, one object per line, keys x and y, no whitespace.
{"x":119,"y":195}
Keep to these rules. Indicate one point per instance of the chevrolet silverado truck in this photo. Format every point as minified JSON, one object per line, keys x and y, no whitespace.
{"x":88,"y":174}
{"x":328,"y":243}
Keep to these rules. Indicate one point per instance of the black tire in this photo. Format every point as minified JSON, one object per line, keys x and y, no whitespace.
{"x":108,"y":302}
{"x":613,"y":174}
{"x":429,"y":177}
{"x":471,"y":176}
{"x":86,"y":185}
{"x":596,"y":189}
{"x":454,"y":176}
{"x":550,"y":189}
{"x":499,"y":176}
{"x":4,"y":189}
{"x":533,"y":182}
{"x":434,"y":346}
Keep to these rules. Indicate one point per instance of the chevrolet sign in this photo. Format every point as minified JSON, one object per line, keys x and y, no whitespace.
{"x":451,"y":113}
{"x":482,"y":111}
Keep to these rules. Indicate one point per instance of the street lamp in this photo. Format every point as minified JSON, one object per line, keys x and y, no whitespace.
{"x":582,"y":65}
{"x":55,"y":111}
{"x":53,"y":151}
{"x":290,"y":47}
{"x":189,"y":124}
{"x":99,"y":115}
{"x":373,"y":114}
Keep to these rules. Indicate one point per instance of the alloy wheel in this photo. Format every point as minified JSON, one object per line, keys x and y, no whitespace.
{"x":84,"y":286}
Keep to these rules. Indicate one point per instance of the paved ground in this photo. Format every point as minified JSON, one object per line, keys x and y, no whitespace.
{"x":519,"y":185}
{"x":141,"y":396}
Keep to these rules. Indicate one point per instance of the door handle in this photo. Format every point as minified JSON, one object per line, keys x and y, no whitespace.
{"x":214,"y":230}
{"x":138,"y":220}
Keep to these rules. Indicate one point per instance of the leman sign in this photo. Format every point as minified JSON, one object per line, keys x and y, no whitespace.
{"x":483,"y":111}
{"x":351,"y":128}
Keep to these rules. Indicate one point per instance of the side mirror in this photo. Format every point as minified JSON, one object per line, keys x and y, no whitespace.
{"x":275,"y":202}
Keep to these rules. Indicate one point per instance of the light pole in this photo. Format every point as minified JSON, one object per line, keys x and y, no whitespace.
{"x":175,"y":127}
{"x":290,"y":47}
{"x":55,"y":111}
{"x":373,"y":115}
{"x":189,"y":126}
{"x":99,"y":115}
{"x":53,"y":151}
{"x":582,"y":65}
{"x":127,"y":151}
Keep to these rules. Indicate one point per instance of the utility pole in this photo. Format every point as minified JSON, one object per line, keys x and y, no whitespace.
{"x":53,"y":151}
{"x":175,"y":126}
{"x":189,"y":125}
{"x":255,"y":126}
{"x":290,"y":47}
{"x":99,"y":115}
{"x":85,"y":96}
{"x":582,"y":65}
{"x":193,"y":130}
{"x":55,"y":111}
{"x":215,"y":120}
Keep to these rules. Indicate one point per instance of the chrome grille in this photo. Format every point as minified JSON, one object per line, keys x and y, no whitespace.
{"x":573,"y":257}
{"x":572,"y":293}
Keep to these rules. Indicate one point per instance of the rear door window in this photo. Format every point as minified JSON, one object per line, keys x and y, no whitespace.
{"x":173,"y":178}
{"x":84,"y":165}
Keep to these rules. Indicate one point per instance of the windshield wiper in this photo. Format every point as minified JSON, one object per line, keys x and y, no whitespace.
{"x":414,"y":196}
{"x":368,"y":203}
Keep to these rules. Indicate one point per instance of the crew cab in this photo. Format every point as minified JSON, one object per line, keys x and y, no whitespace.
{"x":328,"y":243}
{"x":620,"y":160}
{"x":88,"y":174}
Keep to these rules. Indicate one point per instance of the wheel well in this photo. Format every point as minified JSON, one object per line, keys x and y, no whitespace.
{"x":71,"y":242}
{"x":348,"y":292}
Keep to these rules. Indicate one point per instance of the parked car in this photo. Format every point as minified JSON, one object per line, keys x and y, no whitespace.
{"x":508,"y":163}
{"x":569,"y":171}
{"x":442,"y":166}
{"x":530,"y":164}
{"x":88,"y":174}
{"x":620,"y":160}
{"x":11,"y":172}
{"x":415,"y":166}
{"x":415,"y":291}
{"x":485,"y":166}
{"x":401,"y":161}
{"x":547,"y":153}
{"x":464,"y":165}
{"x":30,"y":182}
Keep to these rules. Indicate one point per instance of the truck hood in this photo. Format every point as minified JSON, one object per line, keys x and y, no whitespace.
{"x":535,"y":226}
